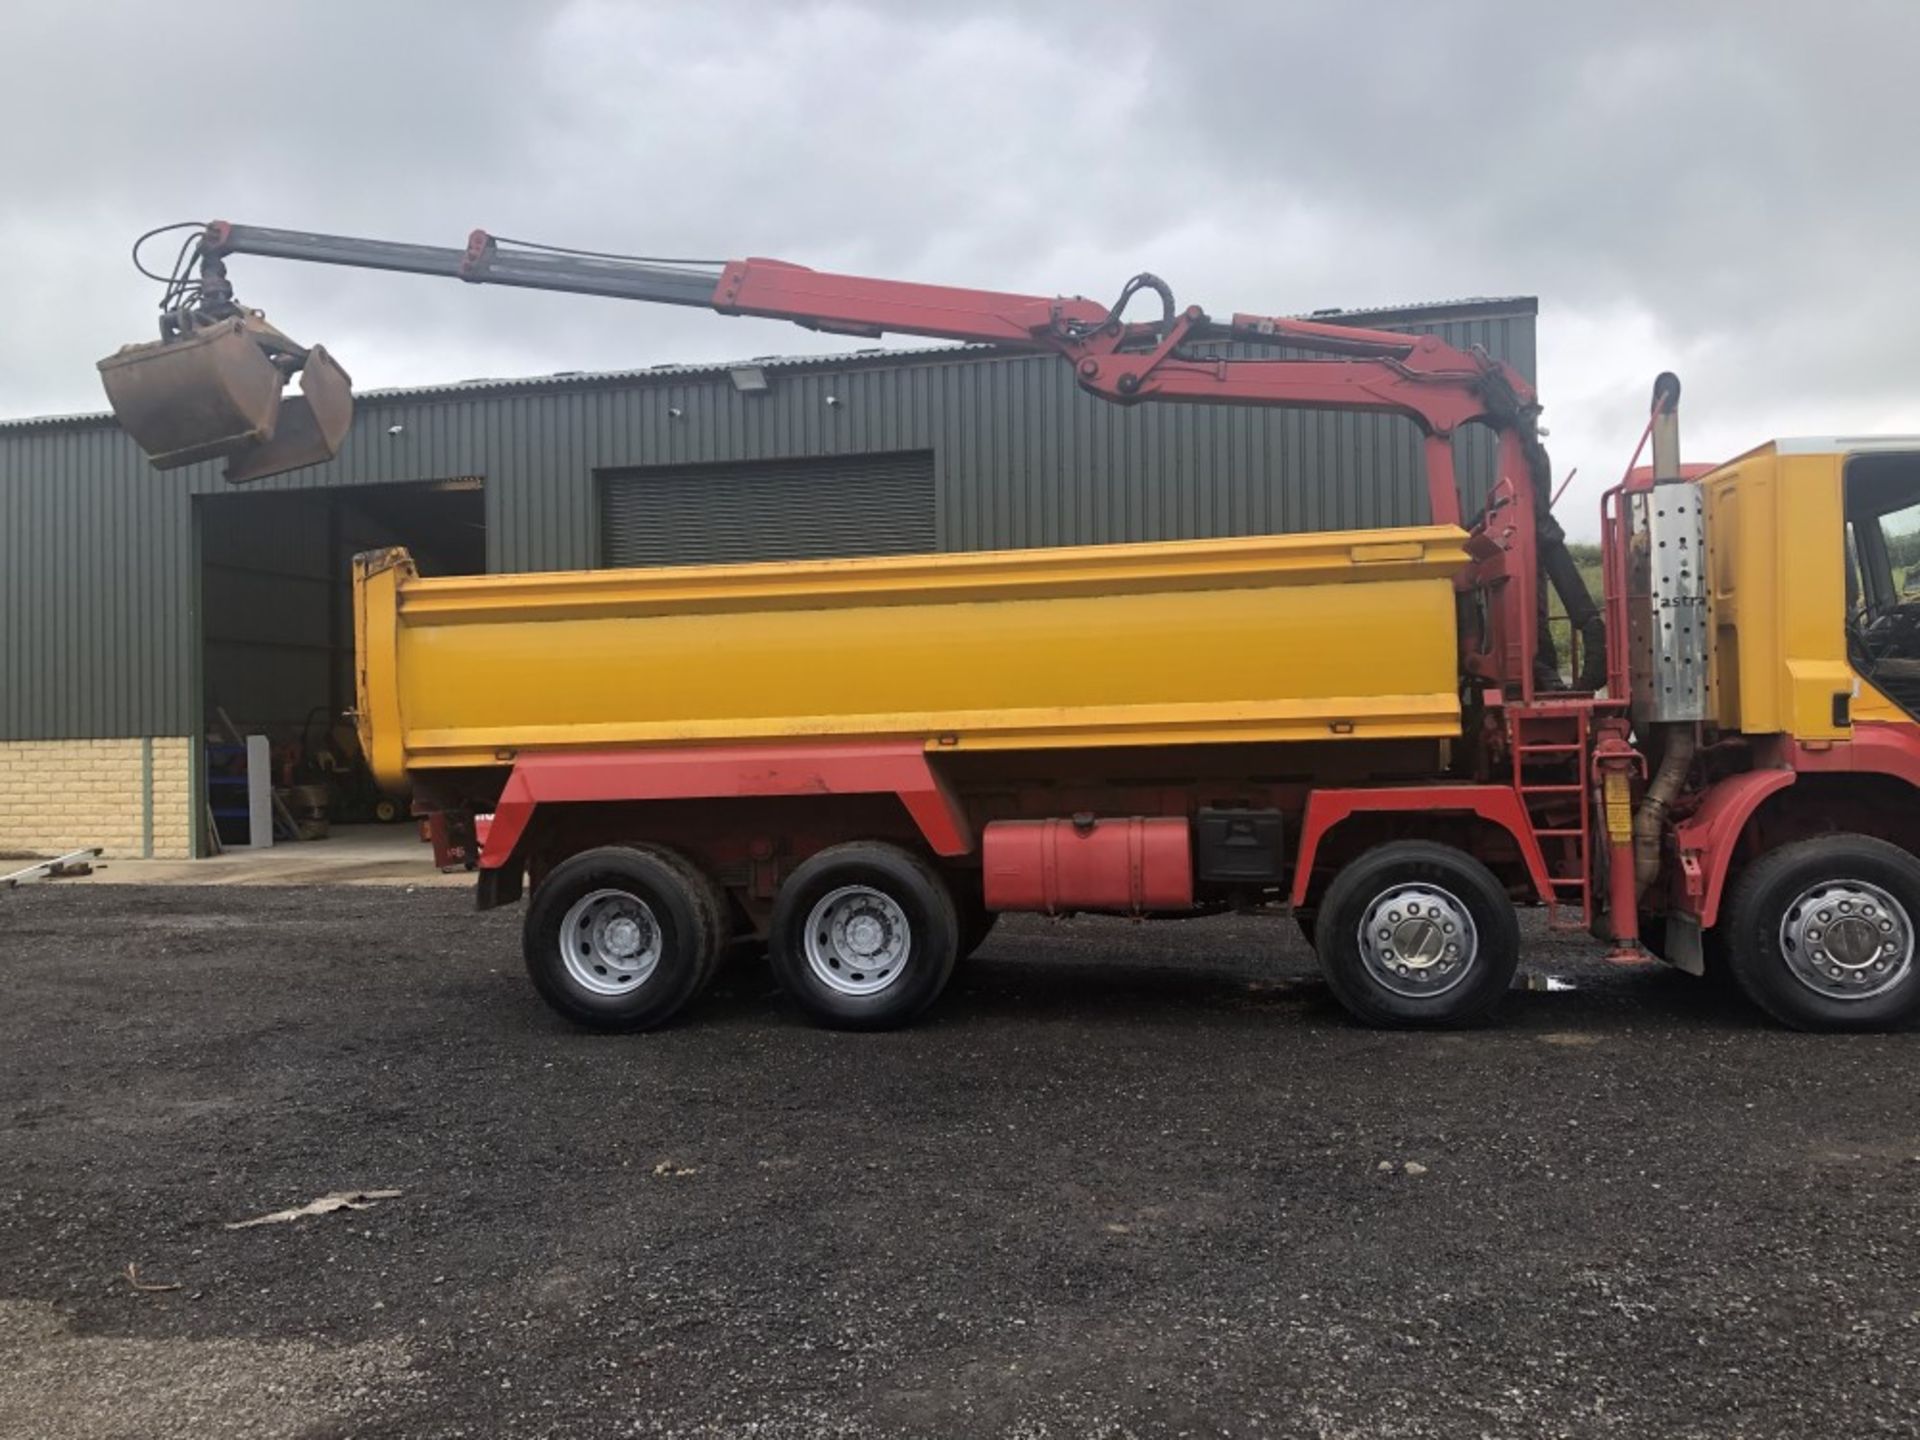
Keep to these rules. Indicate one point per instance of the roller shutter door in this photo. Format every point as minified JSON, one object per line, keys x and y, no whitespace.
{"x":804,"y":509}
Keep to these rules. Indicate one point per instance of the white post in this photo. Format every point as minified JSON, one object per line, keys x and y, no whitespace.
{"x":259,"y":792}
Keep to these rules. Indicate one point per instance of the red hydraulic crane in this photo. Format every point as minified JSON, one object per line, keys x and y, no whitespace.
{"x":210,"y":386}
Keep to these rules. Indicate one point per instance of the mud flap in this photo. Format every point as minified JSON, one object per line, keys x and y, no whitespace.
{"x":1685,"y":948}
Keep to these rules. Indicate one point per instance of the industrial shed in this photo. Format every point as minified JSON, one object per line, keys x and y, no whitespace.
{"x":135,"y":606}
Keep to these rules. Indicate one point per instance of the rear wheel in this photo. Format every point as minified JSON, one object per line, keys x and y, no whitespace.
{"x":864,"y":936}
{"x":1820,"y":934}
{"x":1414,"y":934}
{"x":621,"y":938}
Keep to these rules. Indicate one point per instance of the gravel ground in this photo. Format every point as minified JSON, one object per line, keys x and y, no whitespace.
{"x":1123,"y":1181}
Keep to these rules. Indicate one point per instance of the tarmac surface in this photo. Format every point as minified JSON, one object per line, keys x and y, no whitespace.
{"x":1123,"y":1181}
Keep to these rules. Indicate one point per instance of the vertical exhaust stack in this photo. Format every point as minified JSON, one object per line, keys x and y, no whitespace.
{"x":1669,"y":658}
{"x":211,"y":386}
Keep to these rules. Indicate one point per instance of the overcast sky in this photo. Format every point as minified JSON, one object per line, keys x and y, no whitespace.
{"x":1729,"y":191}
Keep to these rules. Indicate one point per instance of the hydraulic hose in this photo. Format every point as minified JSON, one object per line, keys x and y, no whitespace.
{"x":1571,"y":586}
{"x":1556,"y":567}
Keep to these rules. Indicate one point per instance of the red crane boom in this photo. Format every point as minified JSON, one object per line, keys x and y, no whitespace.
{"x":209,"y":387}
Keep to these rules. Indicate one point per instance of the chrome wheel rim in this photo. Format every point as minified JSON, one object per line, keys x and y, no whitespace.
{"x":1847,"y":940}
{"x":1418,"y":941}
{"x":858,"y":940}
{"x":610,"y":942}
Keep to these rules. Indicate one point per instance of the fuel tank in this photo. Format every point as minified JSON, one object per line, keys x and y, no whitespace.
{"x":1131,"y":865}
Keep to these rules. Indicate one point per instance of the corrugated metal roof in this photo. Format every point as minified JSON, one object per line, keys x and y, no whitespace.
{"x":1429,"y":311}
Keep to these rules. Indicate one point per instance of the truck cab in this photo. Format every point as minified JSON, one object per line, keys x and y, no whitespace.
{"x":1809,"y":546}
{"x":1802,"y":812}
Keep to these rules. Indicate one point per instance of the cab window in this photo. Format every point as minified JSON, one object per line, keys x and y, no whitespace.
{"x":1883,"y":574}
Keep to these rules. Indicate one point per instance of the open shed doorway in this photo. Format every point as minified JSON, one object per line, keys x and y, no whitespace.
{"x":276,"y":641}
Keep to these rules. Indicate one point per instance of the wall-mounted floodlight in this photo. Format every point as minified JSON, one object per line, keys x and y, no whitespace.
{"x":748,"y":379}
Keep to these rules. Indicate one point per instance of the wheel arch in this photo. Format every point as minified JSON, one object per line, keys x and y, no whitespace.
{"x":1754,"y":813}
{"x":1338,"y":823}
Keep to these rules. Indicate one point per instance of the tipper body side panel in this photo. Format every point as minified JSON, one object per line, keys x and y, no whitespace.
{"x":1343,"y":635}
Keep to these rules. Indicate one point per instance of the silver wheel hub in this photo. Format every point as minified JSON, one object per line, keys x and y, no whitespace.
{"x":858,"y":940}
{"x":1847,"y":940}
{"x":610,"y":942}
{"x":1418,"y":941}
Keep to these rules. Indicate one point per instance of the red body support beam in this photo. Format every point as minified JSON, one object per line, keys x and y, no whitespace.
{"x":727,"y":772}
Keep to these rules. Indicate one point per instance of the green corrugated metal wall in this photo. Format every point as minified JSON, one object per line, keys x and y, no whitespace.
{"x":822,"y":507}
{"x":97,"y":551}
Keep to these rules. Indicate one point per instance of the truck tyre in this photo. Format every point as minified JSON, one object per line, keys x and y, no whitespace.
{"x":864,"y":936}
{"x":620,"y":938}
{"x":1820,"y":934}
{"x":1414,"y":934}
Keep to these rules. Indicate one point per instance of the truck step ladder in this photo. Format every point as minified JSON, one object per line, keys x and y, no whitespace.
{"x":1549,"y":775}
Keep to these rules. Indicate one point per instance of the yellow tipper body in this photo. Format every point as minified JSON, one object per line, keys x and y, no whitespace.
{"x":1777,"y":598}
{"x":1334,"y":635}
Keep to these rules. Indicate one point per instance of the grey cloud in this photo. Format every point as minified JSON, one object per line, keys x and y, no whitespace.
{"x":1727,"y":188}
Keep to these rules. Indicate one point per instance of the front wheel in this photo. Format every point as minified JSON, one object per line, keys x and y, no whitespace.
{"x":864,"y":936}
{"x":1820,"y":934}
{"x":1414,"y":934}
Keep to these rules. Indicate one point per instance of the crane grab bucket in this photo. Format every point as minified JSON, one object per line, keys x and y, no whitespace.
{"x":312,"y":424}
{"x":214,"y":392}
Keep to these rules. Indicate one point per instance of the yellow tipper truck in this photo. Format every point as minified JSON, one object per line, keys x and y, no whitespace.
{"x":863,"y":762}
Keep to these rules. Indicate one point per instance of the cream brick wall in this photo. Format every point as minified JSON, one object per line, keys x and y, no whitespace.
{"x":58,"y":795}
